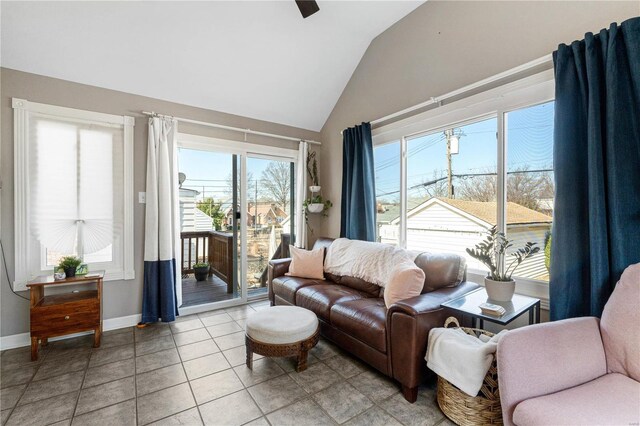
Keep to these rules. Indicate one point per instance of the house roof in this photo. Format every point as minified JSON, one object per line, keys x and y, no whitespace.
{"x":486,"y":211}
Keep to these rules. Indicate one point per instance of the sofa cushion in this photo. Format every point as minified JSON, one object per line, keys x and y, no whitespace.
{"x":441,"y":270}
{"x":363,"y":319}
{"x":611,"y":399}
{"x":621,"y":339}
{"x":357,"y":284}
{"x":406,"y":282}
{"x":321,"y":297}
{"x":306,"y":263}
{"x":286,"y":287}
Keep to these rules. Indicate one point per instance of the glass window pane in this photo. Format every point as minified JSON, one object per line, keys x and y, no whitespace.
{"x":530,"y":186}
{"x":387,"y":168}
{"x":451,"y":182}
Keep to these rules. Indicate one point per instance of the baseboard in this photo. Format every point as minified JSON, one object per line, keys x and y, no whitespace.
{"x":24,"y":339}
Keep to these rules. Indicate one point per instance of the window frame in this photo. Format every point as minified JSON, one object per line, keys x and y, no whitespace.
{"x":122,"y":265}
{"x":496,"y":102}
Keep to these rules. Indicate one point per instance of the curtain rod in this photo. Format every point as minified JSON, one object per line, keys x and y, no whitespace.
{"x":437,"y":100}
{"x":234,"y":129}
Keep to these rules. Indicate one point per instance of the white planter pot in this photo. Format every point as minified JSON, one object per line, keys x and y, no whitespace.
{"x":315,"y":207}
{"x":315,"y":188}
{"x":500,"y":291}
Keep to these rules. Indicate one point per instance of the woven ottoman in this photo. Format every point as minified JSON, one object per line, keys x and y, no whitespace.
{"x":282,"y":331}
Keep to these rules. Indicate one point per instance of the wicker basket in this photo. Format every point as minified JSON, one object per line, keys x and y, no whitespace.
{"x":465,"y":410}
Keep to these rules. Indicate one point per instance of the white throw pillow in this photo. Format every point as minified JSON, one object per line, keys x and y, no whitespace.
{"x":306,"y":263}
{"x":407,"y":280}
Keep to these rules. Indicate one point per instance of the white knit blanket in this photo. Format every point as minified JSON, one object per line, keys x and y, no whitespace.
{"x":460,"y":358}
{"x":372,"y":262}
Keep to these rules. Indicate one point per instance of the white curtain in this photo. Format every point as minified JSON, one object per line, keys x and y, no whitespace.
{"x":163,"y":289}
{"x":301,"y":195}
{"x":75,"y":168}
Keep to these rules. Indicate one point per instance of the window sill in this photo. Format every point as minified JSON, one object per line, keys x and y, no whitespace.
{"x":115,"y":275}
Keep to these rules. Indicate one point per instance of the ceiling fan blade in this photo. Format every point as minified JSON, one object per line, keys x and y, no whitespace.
{"x":307,"y":7}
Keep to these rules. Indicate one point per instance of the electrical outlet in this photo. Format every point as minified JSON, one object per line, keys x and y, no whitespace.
{"x":142,"y":197}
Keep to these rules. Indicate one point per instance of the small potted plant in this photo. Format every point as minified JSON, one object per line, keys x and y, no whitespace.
{"x":492,"y":252}
{"x":69,"y":264}
{"x":312,"y":169}
{"x":201,"y":271}
{"x":317,"y":204}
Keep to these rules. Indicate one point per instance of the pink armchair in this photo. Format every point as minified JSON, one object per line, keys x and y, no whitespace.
{"x":580,"y":371}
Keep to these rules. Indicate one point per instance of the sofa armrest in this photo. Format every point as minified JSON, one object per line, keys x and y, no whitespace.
{"x":546,"y":358}
{"x":276,"y":268}
{"x":431,"y":301}
{"x":408,"y":324}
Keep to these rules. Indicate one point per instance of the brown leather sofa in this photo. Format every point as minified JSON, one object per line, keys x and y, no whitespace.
{"x":353,"y":315}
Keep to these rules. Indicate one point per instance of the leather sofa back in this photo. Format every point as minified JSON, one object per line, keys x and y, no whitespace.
{"x":440,"y":270}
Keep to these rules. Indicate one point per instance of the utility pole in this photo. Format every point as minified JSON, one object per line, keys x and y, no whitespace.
{"x":448,"y":133}
{"x":255,"y":216}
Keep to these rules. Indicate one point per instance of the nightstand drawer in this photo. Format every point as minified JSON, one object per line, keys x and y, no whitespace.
{"x":65,"y":318}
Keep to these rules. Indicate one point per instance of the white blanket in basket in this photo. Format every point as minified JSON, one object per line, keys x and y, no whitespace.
{"x":372,"y":262}
{"x":460,"y":358}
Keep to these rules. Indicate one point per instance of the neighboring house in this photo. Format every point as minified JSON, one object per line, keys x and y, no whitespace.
{"x":447,"y":225}
{"x":267,"y":214}
{"x":192,"y":218}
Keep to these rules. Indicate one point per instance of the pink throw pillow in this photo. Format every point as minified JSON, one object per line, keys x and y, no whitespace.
{"x":406,"y":281}
{"x":306,"y":263}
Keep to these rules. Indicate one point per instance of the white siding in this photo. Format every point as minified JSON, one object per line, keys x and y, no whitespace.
{"x":187,"y":215}
{"x":438,"y":217}
{"x":437,"y":229}
{"x":533,"y":267}
{"x":202,"y":221}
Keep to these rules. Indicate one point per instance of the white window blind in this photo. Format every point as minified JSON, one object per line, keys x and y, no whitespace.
{"x":75,"y":169}
{"x":74,"y":189}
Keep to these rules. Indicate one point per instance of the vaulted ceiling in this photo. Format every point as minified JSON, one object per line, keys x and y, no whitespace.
{"x":257,"y":59}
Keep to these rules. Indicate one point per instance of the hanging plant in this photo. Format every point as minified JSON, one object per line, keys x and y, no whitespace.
{"x":312,"y":168}
{"x":316,"y":204}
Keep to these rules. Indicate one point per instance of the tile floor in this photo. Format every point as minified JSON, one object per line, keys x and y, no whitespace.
{"x":192,"y":372}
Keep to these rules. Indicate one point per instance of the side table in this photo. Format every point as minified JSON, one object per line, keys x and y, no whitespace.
{"x":67,"y":312}
{"x":469,"y":303}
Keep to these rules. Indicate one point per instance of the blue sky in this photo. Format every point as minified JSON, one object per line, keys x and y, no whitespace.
{"x":530,"y":144}
{"x":208,"y":172}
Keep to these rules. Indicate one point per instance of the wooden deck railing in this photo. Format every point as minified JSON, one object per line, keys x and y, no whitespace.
{"x":213,"y":247}
{"x":216,"y":248}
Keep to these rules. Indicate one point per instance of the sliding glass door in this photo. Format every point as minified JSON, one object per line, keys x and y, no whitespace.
{"x":209,"y":209}
{"x":270,"y":216}
{"x":236,"y":209}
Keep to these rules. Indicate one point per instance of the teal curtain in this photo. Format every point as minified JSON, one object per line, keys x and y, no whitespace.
{"x":596,"y":231}
{"x":358,"y":210}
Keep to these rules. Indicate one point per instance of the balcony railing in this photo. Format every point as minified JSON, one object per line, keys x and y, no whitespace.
{"x":212,"y":247}
{"x":216,"y":248}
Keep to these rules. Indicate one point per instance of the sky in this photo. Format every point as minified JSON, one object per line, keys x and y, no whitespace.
{"x":209,"y":172}
{"x":530,"y":144}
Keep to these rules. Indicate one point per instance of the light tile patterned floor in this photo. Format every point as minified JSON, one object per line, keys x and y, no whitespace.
{"x":192,"y":372}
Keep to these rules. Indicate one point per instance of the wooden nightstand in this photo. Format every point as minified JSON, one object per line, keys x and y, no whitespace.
{"x":64,"y":313}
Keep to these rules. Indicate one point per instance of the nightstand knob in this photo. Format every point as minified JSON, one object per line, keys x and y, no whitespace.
{"x":66,"y":317}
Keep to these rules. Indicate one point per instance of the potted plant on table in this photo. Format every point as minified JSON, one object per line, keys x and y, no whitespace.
{"x":201,"y":271}
{"x":69,"y":264}
{"x":492,"y":252}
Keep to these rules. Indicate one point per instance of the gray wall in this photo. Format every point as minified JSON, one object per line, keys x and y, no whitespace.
{"x":443,"y":46}
{"x":121,"y":298}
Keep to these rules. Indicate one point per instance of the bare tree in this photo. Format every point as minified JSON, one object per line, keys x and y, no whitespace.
{"x":477,"y":188}
{"x":436,"y":187}
{"x":275,"y":183}
{"x":251,"y":186}
{"x":524,"y":187}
